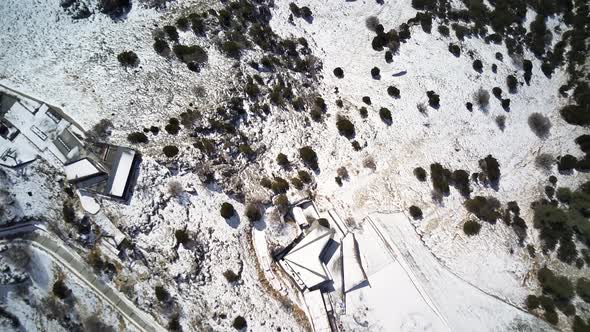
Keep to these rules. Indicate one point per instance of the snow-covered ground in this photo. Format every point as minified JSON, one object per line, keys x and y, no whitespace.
{"x":72,"y":64}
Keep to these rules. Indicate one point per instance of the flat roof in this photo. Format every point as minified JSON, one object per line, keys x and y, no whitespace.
{"x":80,"y":169}
{"x":120,"y":172}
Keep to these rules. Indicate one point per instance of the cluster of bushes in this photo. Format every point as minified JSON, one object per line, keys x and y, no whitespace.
{"x":137,"y":137}
{"x":484,"y":208}
{"x":382,"y":39}
{"x":490,"y":171}
{"x":442,"y":177}
{"x":561,"y":224}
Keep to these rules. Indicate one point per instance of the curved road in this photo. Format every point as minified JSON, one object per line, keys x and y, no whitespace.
{"x":25,"y":233}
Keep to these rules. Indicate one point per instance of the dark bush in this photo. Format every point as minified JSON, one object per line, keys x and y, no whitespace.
{"x":345,"y":127}
{"x":393,"y":91}
{"x":137,"y":137}
{"x":512,"y":83}
{"x":484,"y":208}
{"x":114,"y":8}
{"x":253,"y":212}
{"x":338,"y":72}
{"x":280,"y":185}
{"x":297,"y":183}
{"x":460,"y":180}
{"x":532,"y":302}
{"x":575,"y":115}
{"x":482,"y":98}
{"x":189,"y":54}
{"x":549,"y":191}
{"x":375,"y":73}
{"x":469,"y":106}
{"x":363,"y":112}
{"x":443,"y":30}
{"x":539,"y":124}
{"x":128,"y":59}
{"x":231,"y":276}
{"x":182,"y":23}
{"x":227,"y":210}
{"x":371,"y":23}
{"x":415,"y":212}
{"x":304,"y":176}
{"x":295,"y":10}
{"x":161,"y":293}
{"x":61,"y":290}
{"x":491,"y":169}
{"x":161,"y":47}
{"x":69,"y":213}
{"x":567,"y":163}
{"x":440,"y":178}
{"x":385,"y":116}
{"x":583,"y":289}
{"x":181,"y":236}
{"x":240,"y":322}
{"x":558,"y":287}
{"x":433,"y":99}
{"x":477,"y":66}
{"x":388,"y":56}
{"x":501,"y":122}
{"x":494,"y":68}
{"x":171,"y":32}
{"x":232,"y":49}
{"x":367,"y":100}
{"x":583,"y":142}
{"x":455,"y":50}
{"x":282,"y":160}
{"x":309,"y":157}
{"x":499,"y":56}
{"x":170,"y":151}
{"x":471,"y":227}
{"x":266,"y":183}
{"x":420,"y":174}
{"x":497,"y":92}
{"x":506,"y":104}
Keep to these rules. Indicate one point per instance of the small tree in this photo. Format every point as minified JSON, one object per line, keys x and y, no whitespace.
{"x":371,"y":23}
{"x":471,"y":227}
{"x":539,"y":124}
{"x":511,"y":82}
{"x":309,"y":157}
{"x":128,"y":59}
{"x":239,"y":322}
{"x":161,"y":293}
{"x":137,"y":137}
{"x":367,"y":100}
{"x":182,"y":236}
{"x":338,"y":72}
{"x":227,"y":210}
{"x":280,"y":185}
{"x":253,"y":212}
{"x":345,"y":127}
{"x":375,"y":73}
{"x":583,"y":289}
{"x":420,"y":174}
{"x":175,"y":188}
{"x":161,"y":47}
{"x":60,"y":289}
{"x":304,"y":176}
{"x":283,"y":161}
{"x":385,"y":115}
{"x":497,"y":92}
{"x":477,"y":66}
{"x":455,"y":50}
{"x":567,"y":163}
{"x":415,"y":212}
{"x":364,"y":112}
{"x":170,"y":151}
{"x":501,"y":122}
{"x":482,"y":98}
{"x":393,"y":91}
{"x":171,"y":32}
{"x":433,"y":99}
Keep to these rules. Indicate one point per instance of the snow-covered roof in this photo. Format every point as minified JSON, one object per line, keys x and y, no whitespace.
{"x":304,"y":258}
{"x":317,"y":311}
{"x":80,"y":169}
{"x":354,"y":274}
{"x":120,"y":172}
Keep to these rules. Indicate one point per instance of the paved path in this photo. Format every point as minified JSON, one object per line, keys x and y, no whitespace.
{"x":24,"y":234}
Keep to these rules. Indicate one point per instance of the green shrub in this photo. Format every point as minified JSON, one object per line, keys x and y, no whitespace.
{"x":415,"y":212}
{"x":283,"y":161}
{"x":478,"y":66}
{"x":297,"y":183}
{"x":440,"y":178}
{"x":279,"y":185}
{"x":170,"y":151}
{"x":575,"y":115}
{"x":385,"y":115}
{"x":583,"y":289}
{"x":253,"y":212}
{"x":420,"y":174}
{"x":304,"y":176}
{"x":471,"y":227}
{"x":338,"y":72}
{"x":363,"y":112}
{"x":532,"y":302}
{"x":539,"y":124}
{"x":460,"y":180}
{"x":345,"y":127}
{"x":161,"y":293}
{"x":433,"y":99}
{"x":181,"y":236}
{"x":231,"y":276}
{"x":309,"y":157}
{"x":455,"y":50}
{"x":182,"y":23}
{"x":239,"y":323}
{"x":567,"y":163}
{"x":367,"y":100}
{"x":161,"y":47}
{"x":60,"y":289}
{"x":393,"y":91}
{"x":189,"y":54}
{"x":128,"y":59}
{"x":484,"y":208}
{"x":559,"y":287}
{"x":227,"y":210}
{"x":69,"y":213}
{"x":171,"y":32}
{"x":137,"y":137}
{"x":491,"y":169}
{"x":282,"y":202}
{"x":232,"y":49}
{"x":512,"y":83}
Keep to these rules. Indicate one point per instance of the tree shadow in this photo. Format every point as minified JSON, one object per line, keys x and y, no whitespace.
{"x":234,"y":221}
